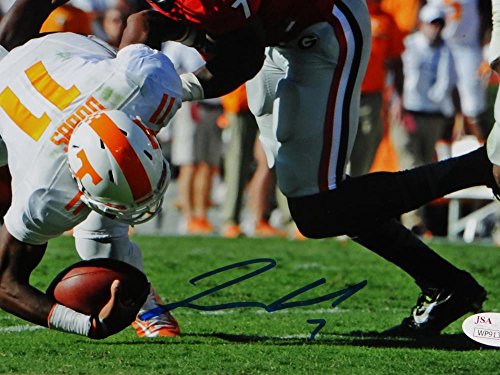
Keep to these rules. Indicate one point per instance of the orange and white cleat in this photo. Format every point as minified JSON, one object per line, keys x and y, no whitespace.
{"x":163,"y":325}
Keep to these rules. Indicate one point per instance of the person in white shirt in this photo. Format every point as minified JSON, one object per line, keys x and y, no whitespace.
{"x":427,"y":93}
{"x":427,"y":100}
{"x":463,"y":21}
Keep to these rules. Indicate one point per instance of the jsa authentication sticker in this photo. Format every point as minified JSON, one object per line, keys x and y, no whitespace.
{"x":483,"y":328}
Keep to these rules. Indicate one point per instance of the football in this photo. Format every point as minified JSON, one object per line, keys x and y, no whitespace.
{"x":85,"y":286}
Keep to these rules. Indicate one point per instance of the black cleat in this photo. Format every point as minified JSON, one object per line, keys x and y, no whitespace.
{"x":436,"y":309}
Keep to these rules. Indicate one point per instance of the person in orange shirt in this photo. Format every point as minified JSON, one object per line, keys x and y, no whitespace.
{"x":68,"y":18}
{"x":385,"y":55}
{"x":405,"y":13}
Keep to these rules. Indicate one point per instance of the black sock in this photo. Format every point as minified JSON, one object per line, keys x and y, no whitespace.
{"x":400,"y":246}
{"x":424,"y":184}
{"x":361,"y":203}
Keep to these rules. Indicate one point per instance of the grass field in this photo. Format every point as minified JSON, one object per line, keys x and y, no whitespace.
{"x":250,"y":340}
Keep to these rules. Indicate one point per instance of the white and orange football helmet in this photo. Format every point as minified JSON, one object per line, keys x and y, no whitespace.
{"x":119,"y":166}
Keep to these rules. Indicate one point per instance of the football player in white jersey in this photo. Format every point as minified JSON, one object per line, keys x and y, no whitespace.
{"x":54,"y":89}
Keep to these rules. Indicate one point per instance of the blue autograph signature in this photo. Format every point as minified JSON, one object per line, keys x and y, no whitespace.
{"x":280,"y":304}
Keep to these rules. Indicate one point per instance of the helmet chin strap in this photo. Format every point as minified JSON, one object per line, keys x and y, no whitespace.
{"x":135,"y":215}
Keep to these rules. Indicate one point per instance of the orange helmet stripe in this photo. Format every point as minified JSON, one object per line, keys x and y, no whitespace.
{"x":124,"y":155}
{"x":149,"y":134}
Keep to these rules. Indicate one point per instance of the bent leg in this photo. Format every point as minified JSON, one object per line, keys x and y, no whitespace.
{"x":367,"y":201}
{"x":100,"y":237}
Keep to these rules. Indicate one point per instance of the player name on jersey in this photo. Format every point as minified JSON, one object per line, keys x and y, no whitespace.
{"x":64,"y":131}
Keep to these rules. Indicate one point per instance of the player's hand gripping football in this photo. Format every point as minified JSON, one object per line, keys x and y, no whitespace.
{"x":116,"y":314}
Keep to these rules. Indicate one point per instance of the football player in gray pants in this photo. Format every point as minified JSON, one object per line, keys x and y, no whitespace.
{"x":306,"y":64}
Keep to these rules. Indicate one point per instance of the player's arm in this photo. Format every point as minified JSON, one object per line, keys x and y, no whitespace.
{"x":151,"y":28}
{"x":232,"y":59}
{"x":23,"y":20}
{"x":237,"y":57}
{"x":17,"y":261}
{"x":17,"y":296}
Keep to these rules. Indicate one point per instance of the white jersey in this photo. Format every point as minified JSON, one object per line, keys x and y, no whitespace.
{"x":47,"y":86}
{"x":184,"y":58}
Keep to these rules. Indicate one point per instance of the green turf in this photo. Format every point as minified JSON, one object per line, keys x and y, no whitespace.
{"x":251,"y":340}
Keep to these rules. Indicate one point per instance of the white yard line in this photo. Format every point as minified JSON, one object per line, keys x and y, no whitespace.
{"x":261,"y":311}
{"x":297,"y":310}
{"x":17,"y":329}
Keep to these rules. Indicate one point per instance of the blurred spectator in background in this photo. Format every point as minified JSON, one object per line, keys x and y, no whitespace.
{"x":69,"y":19}
{"x":464,"y":35}
{"x":113,"y":24}
{"x":196,"y":148}
{"x":104,"y":18}
{"x":239,"y":168}
{"x":405,"y":13}
{"x":98,"y":8}
{"x":427,"y":98}
{"x":385,"y":56}
{"x":207,"y":159}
